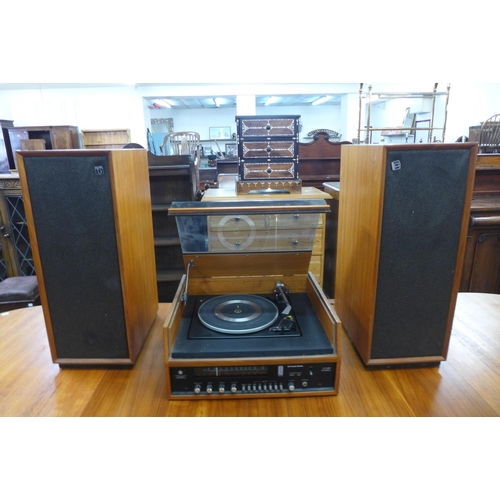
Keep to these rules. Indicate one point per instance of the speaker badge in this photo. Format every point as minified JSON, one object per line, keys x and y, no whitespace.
{"x":396,"y":165}
{"x":99,"y":170}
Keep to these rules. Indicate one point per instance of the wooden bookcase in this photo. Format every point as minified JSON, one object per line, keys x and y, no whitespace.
{"x":105,"y":139}
{"x":171,"y":178}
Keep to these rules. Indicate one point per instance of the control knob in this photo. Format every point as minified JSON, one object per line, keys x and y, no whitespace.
{"x":209,"y":388}
{"x":234,"y":388}
{"x":221,"y":388}
{"x":291,"y":387}
{"x":197,"y":388}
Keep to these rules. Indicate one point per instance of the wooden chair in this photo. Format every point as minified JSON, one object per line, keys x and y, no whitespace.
{"x":489,"y":135}
{"x":185,"y":143}
{"x":181,"y":143}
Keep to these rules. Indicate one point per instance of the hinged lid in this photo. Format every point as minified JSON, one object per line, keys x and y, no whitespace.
{"x":248,"y":238}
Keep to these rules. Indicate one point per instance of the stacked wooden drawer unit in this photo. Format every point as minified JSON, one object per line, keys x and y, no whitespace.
{"x":268,"y":154}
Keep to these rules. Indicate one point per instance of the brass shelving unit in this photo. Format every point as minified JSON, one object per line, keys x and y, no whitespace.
{"x":368,"y":129}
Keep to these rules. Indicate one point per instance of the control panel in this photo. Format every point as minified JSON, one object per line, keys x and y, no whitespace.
{"x":252,"y":379}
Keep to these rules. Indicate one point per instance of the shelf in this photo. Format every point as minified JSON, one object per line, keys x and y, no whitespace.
{"x":170,"y":275}
{"x":105,"y":139}
{"x":166,"y":241}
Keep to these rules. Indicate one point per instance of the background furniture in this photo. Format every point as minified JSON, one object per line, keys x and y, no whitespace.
{"x":481,"y":271}
{"x":89,"y":218}
{"x":171,"y":178}
{"x":489,"y":135}
{"x":6,"y":159}
{"x":331,"y":234}
{"x":319,"y":160}
{"x":181,"y":143}
{"x":16,"y":257}
{"x":17,"y":292}
{"x":184,"y":143}
{"x":55,"y":137}
{"x":105,"y":139}
{"x":409,"y":124}
{"x":403,"y":217}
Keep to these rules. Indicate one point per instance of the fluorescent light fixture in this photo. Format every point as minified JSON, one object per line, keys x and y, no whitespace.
{"x":162,"y":103}
{"x":271,"y":100}
{"x":320,"y":100}
{"x":218,"y":101}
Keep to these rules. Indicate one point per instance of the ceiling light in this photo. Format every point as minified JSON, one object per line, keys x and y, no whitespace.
{"x":320,"y":100}
{"x":218,"y":101}
{"x":162,"y":103}
{"x":271,"y":100}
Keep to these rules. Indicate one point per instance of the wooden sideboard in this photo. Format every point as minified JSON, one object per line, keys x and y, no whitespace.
{"x":481,"y":271}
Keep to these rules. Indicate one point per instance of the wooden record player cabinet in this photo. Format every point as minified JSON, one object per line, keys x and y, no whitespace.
{"x":257,"y":273}
{"x":318,"y":264}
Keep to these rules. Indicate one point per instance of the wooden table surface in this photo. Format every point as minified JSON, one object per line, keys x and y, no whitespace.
{"x":467,"y":384}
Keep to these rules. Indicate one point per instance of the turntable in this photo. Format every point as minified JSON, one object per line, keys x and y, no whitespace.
{"x":248,"y":319}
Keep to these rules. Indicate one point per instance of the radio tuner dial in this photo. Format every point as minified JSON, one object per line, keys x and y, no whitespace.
{"x":291,"y":387}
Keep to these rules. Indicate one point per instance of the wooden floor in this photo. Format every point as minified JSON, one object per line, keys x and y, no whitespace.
{"x":467,"y":384}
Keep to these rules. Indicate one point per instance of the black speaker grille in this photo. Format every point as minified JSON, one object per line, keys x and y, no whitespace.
{"x":422,"y":217}
{"x":74,"y":220}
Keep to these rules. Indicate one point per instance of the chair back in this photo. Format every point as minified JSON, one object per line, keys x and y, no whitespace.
{"x":185,"y":143}
{"x":489,"y":135}
{"x":181,"y":143}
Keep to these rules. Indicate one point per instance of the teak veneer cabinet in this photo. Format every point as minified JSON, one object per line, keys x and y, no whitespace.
{"x":89,"y":220}
{"x":403,"y":220}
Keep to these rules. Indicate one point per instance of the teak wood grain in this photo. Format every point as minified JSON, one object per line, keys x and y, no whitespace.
{"x":131,"y":200}
{"x":467,"y":384}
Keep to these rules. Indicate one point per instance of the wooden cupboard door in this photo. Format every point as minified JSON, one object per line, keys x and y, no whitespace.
{"x":61,"y":139}
{"x":485,"y":275}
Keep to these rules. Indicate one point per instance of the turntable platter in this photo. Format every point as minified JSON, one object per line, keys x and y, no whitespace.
{"x":238,"y":314}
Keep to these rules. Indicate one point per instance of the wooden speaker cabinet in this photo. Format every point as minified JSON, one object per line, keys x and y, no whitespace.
{"x":403,"y":218}
{"x":89,"y":220}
